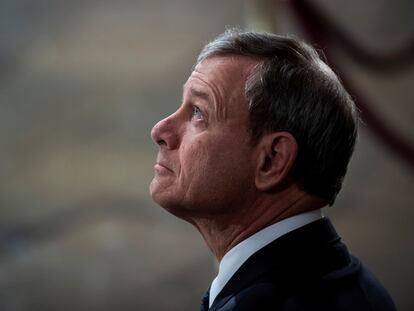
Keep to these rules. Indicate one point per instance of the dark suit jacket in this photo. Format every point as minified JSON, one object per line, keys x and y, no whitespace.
{"x":306,"y":269}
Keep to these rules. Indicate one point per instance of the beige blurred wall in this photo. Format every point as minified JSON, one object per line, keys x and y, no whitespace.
{"x":82,"y":83}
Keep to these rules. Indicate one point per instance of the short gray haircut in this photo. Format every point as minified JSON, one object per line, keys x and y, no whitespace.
{"x":292,"y":89}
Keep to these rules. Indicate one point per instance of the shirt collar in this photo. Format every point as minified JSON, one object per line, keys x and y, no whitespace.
{"x":236,"y":256}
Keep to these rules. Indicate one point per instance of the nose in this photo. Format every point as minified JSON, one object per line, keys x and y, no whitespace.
{"x":165,"y":132}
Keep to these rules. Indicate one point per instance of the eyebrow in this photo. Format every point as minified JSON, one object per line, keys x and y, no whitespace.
{"x":200,"y":94}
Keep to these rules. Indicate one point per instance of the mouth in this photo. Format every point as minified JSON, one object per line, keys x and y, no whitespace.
{"x":159,"y":167}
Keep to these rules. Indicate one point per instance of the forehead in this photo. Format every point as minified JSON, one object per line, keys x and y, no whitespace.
{"x":223,"y":75}
{"x":227,"y":69}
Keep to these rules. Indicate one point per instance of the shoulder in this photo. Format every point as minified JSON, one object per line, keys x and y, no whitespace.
{"x":353,"y":287}
{"x":372,"y":290}
{"x":357,"y":291}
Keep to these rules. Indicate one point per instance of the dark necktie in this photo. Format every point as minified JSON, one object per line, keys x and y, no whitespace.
{"x":205,"y":301}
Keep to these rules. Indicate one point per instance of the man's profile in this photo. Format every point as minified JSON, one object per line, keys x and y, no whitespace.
{"x":260,"y":143}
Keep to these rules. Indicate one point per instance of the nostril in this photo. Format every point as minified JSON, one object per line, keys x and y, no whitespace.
{"x":164,"y":133}
{"x":161,"y":142}
{"x":156,"y":133}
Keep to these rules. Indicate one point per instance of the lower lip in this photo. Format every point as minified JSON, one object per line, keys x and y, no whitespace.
{"x":161,"y":169}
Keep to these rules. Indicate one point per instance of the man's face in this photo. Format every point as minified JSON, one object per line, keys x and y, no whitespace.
{"x":204,"y":165}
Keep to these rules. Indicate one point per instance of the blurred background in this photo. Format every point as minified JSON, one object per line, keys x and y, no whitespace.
{"x":81,"y":85}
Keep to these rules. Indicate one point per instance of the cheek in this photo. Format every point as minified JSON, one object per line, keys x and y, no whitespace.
{"x":211,"y":166}
{"x":194,"y":159}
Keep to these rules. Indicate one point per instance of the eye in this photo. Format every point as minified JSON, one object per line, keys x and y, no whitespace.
{"x":197,"y":114}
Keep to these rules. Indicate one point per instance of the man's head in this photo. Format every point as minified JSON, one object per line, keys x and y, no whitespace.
{"x":260,"y":113}
{"x":204,"y":148}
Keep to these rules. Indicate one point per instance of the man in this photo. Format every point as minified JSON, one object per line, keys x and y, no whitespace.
{"x":260,"y":143}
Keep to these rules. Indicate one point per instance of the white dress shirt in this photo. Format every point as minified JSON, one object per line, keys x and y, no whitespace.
{"x":236,"y":256}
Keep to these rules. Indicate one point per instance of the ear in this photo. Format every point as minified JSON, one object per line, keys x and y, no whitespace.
{"x":277,"y":152}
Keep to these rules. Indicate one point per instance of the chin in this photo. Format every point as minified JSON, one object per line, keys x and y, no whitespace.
{"x":166,"y":199}
{"x":170,"y":202}
{"x":157,"y":190}
{"x":174,"y":207}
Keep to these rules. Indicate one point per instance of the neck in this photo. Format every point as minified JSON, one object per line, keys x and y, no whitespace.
{"x":222,"y":232}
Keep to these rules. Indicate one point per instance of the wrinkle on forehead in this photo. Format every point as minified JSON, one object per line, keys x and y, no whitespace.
{"x":225,"y":76}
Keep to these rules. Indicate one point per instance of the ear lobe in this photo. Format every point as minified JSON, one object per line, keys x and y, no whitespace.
{"x":277,"y":153}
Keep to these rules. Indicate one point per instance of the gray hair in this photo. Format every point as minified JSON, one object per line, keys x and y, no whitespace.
{"x":291,"y":89}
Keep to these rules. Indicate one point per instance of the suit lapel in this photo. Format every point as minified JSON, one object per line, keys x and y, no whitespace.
{"x":205,"y":301}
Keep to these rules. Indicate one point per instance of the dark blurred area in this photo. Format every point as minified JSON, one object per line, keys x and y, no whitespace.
{"x":81,"y":85}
